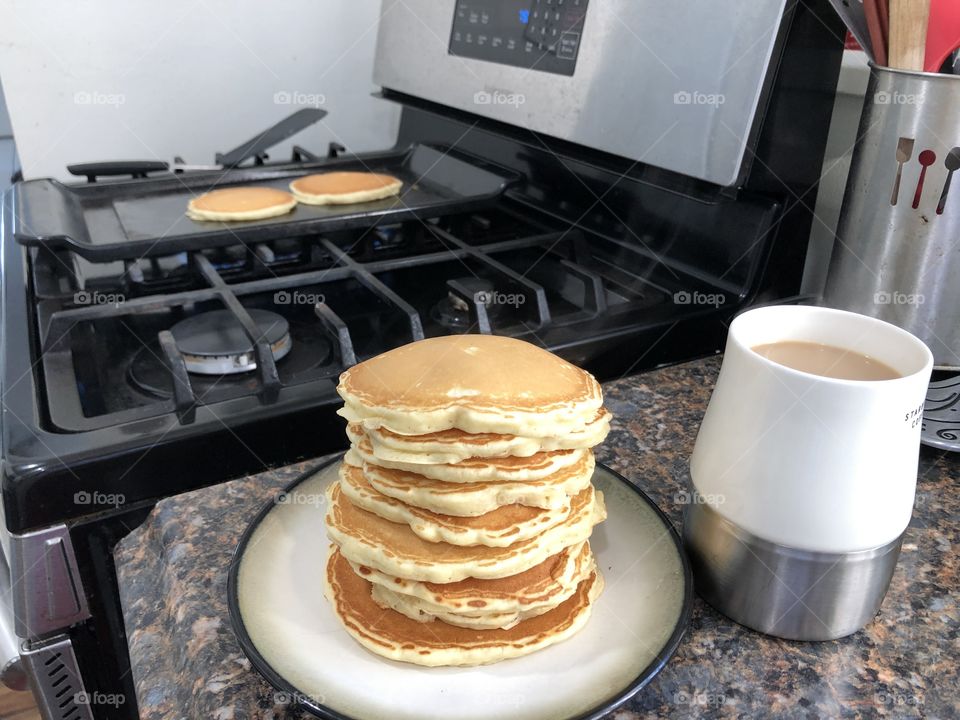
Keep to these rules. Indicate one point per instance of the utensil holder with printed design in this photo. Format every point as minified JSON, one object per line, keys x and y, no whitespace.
{"x":896,"y":256}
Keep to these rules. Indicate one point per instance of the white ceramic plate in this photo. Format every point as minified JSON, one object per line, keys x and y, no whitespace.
{"x":288,"y":630}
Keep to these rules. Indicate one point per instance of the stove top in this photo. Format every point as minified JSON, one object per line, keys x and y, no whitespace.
{"x":143,"y":375}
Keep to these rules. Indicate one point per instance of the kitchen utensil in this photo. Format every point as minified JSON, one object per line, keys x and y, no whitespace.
{"x":952,"y":64}
{"x":892,"y":261}
{"x":255,"y":148}
{"x":884,"y":11}
{"x":927,"y":158}
{"x":878,"y":39}
{"x":904,"y":151}
{"x":943,"y":34}
{"x":952,"y":163}
{"x":908,"y":33}
{"x":813,"y":476}
{"x":852,"y":14}
{"x":288,"y":631}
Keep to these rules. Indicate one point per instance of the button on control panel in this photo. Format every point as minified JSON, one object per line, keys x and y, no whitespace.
{"x":539,"y":35}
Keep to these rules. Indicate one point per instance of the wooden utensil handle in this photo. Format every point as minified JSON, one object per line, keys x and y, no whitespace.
{"x":908,"y":33}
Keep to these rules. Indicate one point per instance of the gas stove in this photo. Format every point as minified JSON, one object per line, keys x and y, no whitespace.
{"x":145,"y":354}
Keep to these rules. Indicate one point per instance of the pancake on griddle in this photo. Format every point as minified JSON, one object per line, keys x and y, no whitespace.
{"x":498,"y":528}
{"x":393,"y":548}
{"x":471,"y":499}
{"x":344,"y":188}
{"x":240,"y":203}
{"x":451,"y":446}
{"x":474,"y":383}
{"x":397,"y":637}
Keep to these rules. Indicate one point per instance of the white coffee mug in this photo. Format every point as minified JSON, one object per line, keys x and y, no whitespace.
{"x":807,"y":461}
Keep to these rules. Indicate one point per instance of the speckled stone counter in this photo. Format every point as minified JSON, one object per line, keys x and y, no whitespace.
{"x":187,"y":664}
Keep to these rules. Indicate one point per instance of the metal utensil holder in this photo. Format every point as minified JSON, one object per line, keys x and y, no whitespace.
{"x":897,"y":251}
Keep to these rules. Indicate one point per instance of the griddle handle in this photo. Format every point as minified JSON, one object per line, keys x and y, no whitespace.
{"x":134,"y":168}
{"x":258,"y":145}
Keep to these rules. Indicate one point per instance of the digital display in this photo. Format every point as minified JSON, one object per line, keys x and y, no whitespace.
{"x":541,"y":35}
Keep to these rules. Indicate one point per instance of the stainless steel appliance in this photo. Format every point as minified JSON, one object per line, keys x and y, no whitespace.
{"x":625,"y":239}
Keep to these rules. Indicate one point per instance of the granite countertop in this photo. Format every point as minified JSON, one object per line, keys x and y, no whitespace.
{"x":186,"y":663}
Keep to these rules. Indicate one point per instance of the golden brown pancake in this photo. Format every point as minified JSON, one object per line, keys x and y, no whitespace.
{"x":475,"y":383}
{"x":406,"y":605}
{"x":497,"y":528}
{"x":471,"y":499}
{"x":395,"y":636}
{"x":507,"y":469}
{"x":393,"y":548}
{"x":342,"y":188}
{"x":542,"y":586}
{"x":451,"y":446}
{"x":240,"y":203}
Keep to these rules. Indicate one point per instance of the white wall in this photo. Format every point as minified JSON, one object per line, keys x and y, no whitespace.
{"x":93,"y":80}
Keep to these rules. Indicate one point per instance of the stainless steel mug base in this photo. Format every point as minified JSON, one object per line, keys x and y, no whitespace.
{"x":783,"y":591}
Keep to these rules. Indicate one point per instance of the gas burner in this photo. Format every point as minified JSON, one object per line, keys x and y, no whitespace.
{"x":313,"y":356}
{"x":214,"y":343}
{"x":454,"y":313}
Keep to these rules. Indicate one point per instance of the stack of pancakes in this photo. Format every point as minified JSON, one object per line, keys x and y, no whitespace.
{"x":463,"y":509}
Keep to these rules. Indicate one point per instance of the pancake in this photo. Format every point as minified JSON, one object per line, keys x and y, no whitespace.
{"x":393,"y":548}
{"x":451,"y":446}
{"x":497,"y":528}
{"x":541,"y":587}
{"x":405,"y":605}
{"x":397,"y":637}
{"x":240,"y":203}
{"x":344,"y":188}
{"x":472,"y":499}
{"x":473,"y":470}
{"x":474,"y":383}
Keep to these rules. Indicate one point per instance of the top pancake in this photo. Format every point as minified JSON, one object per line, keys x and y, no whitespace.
{"x":339,"y":188}
{"x":240,"y":203}
{"x":474,"y":383}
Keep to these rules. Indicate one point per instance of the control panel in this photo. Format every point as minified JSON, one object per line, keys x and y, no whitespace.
{"x":539,"y":35}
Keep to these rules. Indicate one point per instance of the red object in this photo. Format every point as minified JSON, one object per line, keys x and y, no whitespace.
{"x":943,"y":33}
{"x":927,"y":158}
{"x":871,"y":12}
{"x":850,"y":43}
